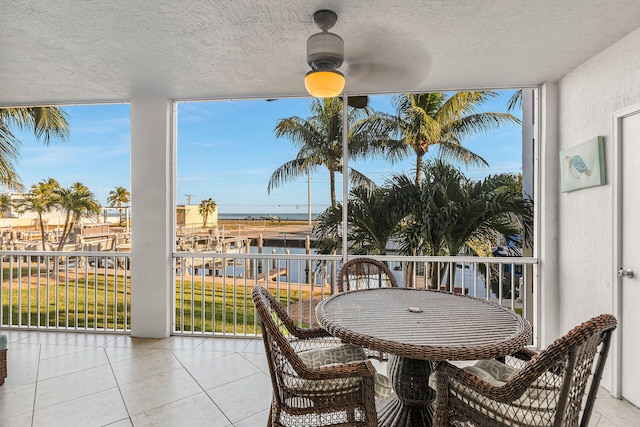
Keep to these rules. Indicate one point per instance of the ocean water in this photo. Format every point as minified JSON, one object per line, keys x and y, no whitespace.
{"x":283,"y":216}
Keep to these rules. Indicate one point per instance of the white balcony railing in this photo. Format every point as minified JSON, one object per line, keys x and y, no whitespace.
{"x":213,"y":291}
{"x":90,"y":291}
{"x":65,"y":290}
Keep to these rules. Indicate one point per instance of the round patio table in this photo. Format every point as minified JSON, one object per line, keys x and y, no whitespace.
{"x":415,"y":327}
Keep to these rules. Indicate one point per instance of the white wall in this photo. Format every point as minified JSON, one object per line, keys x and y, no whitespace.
{"x":587,"y":98}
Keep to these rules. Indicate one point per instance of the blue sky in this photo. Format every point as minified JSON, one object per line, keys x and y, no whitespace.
{"x":226,"y":151}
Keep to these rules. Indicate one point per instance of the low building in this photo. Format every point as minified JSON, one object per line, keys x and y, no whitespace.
{"x":189,"y":216}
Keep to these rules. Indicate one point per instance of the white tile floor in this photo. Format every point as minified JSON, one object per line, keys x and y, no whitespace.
{"x":78,"y":379}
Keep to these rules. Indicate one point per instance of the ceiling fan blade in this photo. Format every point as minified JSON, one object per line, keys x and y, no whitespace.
{"x":374,"y":77}
{"x":376,"y":65}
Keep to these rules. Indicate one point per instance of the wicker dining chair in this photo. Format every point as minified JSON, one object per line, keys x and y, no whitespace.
{"x":364,"y":273}
{"x":530,"y":388}
{"x":3,"y":358}
{"x":316,"y":379}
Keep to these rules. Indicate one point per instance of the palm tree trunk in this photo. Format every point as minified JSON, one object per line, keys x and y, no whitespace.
{"x":66,"y":230}
{"x":419,"y":158}
{"x":42,"y":231}
{"x":433,"y":283}
{"x":408,"y":276}
{"x":332,"y":180}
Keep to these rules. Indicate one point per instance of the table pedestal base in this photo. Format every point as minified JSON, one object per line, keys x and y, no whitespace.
{"x":412,"y":404}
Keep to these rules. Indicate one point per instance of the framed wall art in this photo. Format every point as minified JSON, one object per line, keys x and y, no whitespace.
{"x":582,"y":166}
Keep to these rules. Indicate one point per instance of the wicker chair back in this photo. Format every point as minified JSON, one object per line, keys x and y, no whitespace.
{"x":548,"y":388}
{"x":364,"y":273}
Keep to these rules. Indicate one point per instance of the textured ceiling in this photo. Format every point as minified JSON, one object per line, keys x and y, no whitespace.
{"x":68,"y":51}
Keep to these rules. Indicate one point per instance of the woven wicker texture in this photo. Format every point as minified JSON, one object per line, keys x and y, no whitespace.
{"x":545,"y":389}
{"x":365,"y":273}
{"x":334,"y":395}
{"x":442,"y":326}
{"x":3,"y":358}
{"x":3,"y":365}
{"x":416,"y":326}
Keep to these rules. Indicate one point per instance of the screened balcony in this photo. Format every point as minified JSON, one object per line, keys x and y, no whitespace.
{"x":581,"y":57}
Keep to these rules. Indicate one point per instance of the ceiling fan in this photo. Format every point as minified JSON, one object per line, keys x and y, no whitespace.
{"x":381,"y":58}
{"x":325,"y":54}
{"x":374,"y":64}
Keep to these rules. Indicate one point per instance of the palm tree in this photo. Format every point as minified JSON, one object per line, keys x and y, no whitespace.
{"x":117,"y":198}
{"x":450,"y":214}
{"x":76,"y":202}
{"x":206,"y":208}
{"x":41,"y":200}
{"x":373,"y":217}
{"x":424,"y":230}
{"x":47,"y":123}
{"x":319,"y":138}
{"x":428,"y":119}
{"x":449,"y":211}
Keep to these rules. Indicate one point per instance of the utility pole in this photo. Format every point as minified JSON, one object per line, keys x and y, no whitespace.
{"x":188,"y":196}
{"x":309,"y":193}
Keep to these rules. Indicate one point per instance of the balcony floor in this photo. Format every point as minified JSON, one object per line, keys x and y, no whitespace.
{"x":79,"y":379}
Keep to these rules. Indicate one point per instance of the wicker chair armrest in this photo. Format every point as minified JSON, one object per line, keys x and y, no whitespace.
{"x":338,"y":370}
{"x":309,"y":333}
{"x":524,"y":354}
{"x":510,"y":391}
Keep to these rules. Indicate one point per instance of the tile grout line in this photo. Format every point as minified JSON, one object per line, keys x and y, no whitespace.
{"x":117,"y":384}
{"x":200,"y":385}
{"x":35,"y":389}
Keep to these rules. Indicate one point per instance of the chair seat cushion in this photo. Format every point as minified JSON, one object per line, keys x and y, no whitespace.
{"x":535,"y":407}
{"x":331,"y":356}
{"x":492,"y":371}
{"x":321,"y":356}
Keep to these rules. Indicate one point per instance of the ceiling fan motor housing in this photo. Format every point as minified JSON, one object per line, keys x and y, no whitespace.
{"x":325,"y":50}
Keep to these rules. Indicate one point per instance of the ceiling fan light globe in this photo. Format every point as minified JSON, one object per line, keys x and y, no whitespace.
{"x":324,"y":83}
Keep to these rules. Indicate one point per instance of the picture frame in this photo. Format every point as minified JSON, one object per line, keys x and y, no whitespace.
{"x":582,"y":166}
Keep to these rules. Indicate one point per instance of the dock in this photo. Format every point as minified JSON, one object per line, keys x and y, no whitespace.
{"x":273,"y":274}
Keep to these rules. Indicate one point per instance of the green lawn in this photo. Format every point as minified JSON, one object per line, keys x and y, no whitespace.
{"x":228,"y":312}
{"x":88,"y":303}
{"x":85,"y":303}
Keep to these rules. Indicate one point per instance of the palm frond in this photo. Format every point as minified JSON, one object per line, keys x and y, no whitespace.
{"x":288,"y":171}
{"x":358,"y":179}
{"x":464,"y":103}
{"x":515,"y":101}
{"x":452,"y":151}
{"x":480,"y":123}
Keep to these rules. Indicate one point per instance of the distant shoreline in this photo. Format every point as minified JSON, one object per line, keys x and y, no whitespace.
{"x":291,"y":216}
